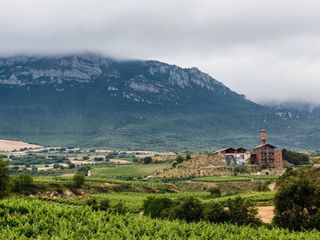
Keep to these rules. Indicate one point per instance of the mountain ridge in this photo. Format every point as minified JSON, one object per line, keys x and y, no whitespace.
{"x":90,"y":100}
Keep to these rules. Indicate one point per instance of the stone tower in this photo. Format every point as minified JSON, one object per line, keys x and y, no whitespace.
{"x":263,"y":136}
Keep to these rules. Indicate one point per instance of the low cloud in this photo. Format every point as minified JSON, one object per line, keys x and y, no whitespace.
{"x":265,"y":49}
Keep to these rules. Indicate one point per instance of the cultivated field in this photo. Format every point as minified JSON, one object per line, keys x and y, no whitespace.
{"x":8,"y":145}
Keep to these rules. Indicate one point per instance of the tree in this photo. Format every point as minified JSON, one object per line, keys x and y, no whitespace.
{"x":56,"y":165}
{"x":188,"y":157}
{"x":297,"y":202}
{"x":214,"y":212}
{"x":189,"y":209}
{"x":4,"y":178}
{"x":240,"y":211}
{"x":147,"y":160}
{"x":157,"y":207}
{"x":179,"y":159}
{"x":71,"y":165}
{"x":295,"y":158}
{"x":22,"y":183}
{"x":79,"y":180}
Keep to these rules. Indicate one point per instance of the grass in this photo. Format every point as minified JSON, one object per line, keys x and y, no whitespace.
{"x":239,"y":178}
{"x":132,"y":170}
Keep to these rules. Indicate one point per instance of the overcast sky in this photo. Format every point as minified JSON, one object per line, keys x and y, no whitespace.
{"x":268,"y":50}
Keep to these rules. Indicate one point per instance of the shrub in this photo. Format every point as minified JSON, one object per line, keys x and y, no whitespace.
{"x":297,"y":204}
{"x":56,"y":165}
{"x":104,"y":205}
{"x":4,"y":178}
{"x":147,"y":160}
{"x":92,"y":202}
{"x":214,"y":212}
{"x":79,"y":180}
{"x":262,"y":187}
{"x":71,"y":165}
{"x":215,"y":192}
{"x":240,"y":211}
{"x":189,"y":209}
{"x":22,"y":183}
{"x":157,"y":207}
{"x":295,"y":158}
{"x":119,"y":208}
{"x":179,"y":159}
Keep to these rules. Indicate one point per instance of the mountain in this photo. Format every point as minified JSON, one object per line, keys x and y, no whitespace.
{"x":94,"y":101}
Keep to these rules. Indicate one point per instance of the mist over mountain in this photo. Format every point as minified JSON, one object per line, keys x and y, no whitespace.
{"x":95,"y":101}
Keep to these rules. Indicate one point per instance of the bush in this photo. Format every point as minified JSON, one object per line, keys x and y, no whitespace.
{"x":157,"y":207}
{"x":79,"y":180}
{"x":179,"y":159}
{"x":119,"y":208}
{"x":214,"y":212}
{"x":4,"y":178}
{"x":22,"y":183}
{"x":92,"y":202}
{"x":189,"y":209}
{"x":262,"y":186}
{"x":295,"y":158}
{"x":71,"y":165}
{"x":56,"y":165}
{"x":104,"y":205}
{"x":147,"y":160}
{"x":215,"y":192}
{"x":240,"y":211}
{"x":297,"y":204}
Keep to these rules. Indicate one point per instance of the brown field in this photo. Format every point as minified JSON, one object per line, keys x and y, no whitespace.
{"x":9,"y":146}
{"x":266,"y":213}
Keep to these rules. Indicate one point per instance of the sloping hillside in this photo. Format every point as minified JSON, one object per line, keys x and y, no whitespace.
{"x":201,"y":165}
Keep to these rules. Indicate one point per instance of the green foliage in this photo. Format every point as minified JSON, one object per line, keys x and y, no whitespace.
{"x":214,"y":212}
{"x":295,"y":158}
{"x":236,"y":211}
{"x":179,"y":159}
{"x":240,"y":211}
{"x":78,"y":180}
{"x":22,"y":183}
{"x":157,"y":207}
{"x":4,"y":178}
{"x":297,"y":204}
{"x":214,"y":192}
{"x":189,"y":209}
{"x":23,"y":218}
{"x":263,"y":186}
{"x":147,"y":160}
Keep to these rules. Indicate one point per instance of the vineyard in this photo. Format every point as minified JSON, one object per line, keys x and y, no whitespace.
{"x":25,"y":218}
{"x":132,"y":170}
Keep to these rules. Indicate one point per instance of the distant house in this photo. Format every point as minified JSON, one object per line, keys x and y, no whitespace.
{"x":234,"y":156}
{"x":267,"y":153}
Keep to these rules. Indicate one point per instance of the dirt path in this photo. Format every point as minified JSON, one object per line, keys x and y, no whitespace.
{"x":265,"y":213}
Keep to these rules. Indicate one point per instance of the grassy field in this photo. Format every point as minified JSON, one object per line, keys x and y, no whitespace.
{"x":132,"y":170}
{"x":235,"y":178}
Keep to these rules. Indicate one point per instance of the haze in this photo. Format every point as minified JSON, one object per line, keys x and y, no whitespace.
{"x":267,"y":50}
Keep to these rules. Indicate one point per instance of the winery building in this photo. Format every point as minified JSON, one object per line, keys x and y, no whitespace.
{"x":264,"y":154}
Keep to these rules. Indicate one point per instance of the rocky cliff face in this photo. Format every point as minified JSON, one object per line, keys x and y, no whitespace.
{"x":139,"y":81}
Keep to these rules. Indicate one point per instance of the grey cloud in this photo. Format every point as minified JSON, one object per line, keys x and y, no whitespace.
{"x":265,"y":49}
